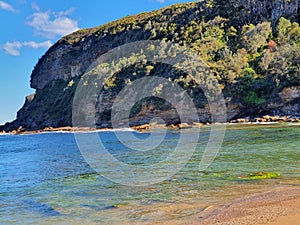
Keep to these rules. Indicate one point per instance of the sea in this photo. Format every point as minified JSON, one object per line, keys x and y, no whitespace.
{"x":49,"y":178}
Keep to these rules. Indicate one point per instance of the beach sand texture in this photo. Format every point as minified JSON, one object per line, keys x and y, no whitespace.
{"x":277,"y":206}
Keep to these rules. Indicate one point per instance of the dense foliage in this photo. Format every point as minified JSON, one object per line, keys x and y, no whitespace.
{"x":253,"y":63}
{"x":253,"y":55}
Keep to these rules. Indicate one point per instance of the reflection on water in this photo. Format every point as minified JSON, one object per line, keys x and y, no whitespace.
{"x":45,"y":180}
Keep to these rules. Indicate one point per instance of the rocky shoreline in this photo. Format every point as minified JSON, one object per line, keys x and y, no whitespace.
{"x":147,"y":127}
{"x":268,"y":119}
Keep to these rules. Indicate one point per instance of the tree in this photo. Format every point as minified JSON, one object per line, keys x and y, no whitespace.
{"x":282,"y":29}
{"x":255,"y":37}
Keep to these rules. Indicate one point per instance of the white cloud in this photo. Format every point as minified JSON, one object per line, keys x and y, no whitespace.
{"x":33,"y":44}
{"x":64,"y":13}
{"x":6,"y":6}
{"x":13,"y":48}
{"x":51,"y":24}
{"x":161,"y":1}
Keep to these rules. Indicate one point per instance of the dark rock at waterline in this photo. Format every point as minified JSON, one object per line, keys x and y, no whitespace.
{"x":41,"y":208}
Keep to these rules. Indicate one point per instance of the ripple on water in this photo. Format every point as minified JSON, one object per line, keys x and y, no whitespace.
{"x":48,"y":181}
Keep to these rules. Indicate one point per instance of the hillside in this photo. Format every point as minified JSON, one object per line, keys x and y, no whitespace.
{"x":252,"y":47}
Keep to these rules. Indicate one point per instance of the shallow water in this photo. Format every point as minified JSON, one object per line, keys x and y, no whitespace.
{"x":45,"y":179}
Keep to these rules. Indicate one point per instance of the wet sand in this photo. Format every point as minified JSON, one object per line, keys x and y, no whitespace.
{"x":277,"y":206}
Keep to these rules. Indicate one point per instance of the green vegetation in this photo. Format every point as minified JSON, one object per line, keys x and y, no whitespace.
{"x":260,"y":176}
{"x":252,"y":63}
{"x":52,"y":103}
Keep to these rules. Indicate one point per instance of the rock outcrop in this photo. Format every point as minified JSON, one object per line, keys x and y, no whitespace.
{"x":255,"y":11}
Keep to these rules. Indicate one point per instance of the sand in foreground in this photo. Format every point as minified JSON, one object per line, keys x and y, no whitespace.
{"x":277,"y":206}
{"x":260,"y":208}
{"x":287,"y":220}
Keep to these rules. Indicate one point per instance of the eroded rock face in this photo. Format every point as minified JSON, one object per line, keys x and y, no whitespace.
{"x":66,"y":60}
{"x":290,"y":93}
{"x":265,"y":9}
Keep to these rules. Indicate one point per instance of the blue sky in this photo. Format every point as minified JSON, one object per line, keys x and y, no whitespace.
{"x":29,"y":28}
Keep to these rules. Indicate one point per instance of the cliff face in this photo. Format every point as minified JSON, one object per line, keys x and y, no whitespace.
{"x":67,"y":60}
{"x":72,"y":55}
{"x":249,"y":11}
{"x":196,"y":25}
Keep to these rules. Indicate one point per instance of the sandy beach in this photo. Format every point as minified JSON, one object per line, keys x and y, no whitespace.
{"x":278,"y":206}
{"x":291,"y":219}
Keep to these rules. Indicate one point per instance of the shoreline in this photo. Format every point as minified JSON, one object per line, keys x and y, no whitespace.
{"x":264,"y":120}
{"x":142,"y":128}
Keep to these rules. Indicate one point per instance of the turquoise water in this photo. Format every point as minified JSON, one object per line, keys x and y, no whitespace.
{"x":45,"y":180}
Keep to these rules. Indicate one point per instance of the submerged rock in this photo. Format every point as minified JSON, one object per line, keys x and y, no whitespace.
{"x":41,"y":208}
{"x":260,"y":176}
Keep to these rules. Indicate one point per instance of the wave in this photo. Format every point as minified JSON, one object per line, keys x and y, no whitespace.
{"x":79,"y":131}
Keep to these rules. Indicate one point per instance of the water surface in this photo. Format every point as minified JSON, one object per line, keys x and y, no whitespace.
{"x":45,"y":179}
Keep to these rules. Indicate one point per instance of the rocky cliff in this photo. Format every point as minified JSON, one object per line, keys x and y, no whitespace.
{"x":232,"y":37}
{"x":72,"y":55}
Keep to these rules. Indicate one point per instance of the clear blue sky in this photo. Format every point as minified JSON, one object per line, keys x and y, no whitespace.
{"x":28,"y":28}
